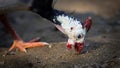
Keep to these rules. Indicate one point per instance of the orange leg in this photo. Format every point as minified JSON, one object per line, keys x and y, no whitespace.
{"x":18,"y":42}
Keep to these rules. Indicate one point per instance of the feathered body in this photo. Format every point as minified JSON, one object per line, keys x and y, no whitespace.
{"x":69,"y":25}
{"x":72,"y":27}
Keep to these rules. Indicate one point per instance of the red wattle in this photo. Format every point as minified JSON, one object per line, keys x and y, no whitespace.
{"x":69,"y":46}
{"x":79,"y":47}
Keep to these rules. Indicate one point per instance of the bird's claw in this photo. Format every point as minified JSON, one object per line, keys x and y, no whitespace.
{"x":49,"y":45}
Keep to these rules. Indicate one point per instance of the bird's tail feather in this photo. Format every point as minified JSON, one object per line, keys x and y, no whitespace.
{"x":42,"y":7}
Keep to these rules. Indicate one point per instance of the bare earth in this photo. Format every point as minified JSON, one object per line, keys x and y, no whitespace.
{"x":102,"y":48}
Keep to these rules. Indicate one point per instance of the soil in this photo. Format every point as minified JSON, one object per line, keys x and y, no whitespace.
{"x":101,"y":50}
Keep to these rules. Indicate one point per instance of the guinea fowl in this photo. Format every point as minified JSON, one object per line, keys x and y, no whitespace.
{"x":67,"y":24}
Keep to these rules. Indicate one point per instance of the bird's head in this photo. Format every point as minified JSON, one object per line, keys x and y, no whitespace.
{"x":77,"y":35}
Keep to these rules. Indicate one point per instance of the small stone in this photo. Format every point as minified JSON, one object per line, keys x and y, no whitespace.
{"x":50,"y":46}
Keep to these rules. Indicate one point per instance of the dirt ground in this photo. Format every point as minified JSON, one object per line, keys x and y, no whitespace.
{"x":102,"y":47}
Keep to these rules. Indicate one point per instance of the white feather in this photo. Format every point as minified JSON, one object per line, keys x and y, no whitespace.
{"x":67,"y":23}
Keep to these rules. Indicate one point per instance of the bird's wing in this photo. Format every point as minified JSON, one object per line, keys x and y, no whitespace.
{"x":59,"y":28}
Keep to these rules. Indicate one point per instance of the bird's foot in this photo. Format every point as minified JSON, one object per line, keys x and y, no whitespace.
{"x":23,"y":45}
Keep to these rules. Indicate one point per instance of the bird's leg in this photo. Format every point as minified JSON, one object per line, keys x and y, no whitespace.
{"x":18,"y":42}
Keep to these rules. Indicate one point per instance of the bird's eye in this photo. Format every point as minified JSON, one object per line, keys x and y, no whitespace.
{"x":79,"y":36}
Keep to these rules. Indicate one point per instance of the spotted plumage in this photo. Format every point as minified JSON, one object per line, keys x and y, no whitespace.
{"x":72,"y":27}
